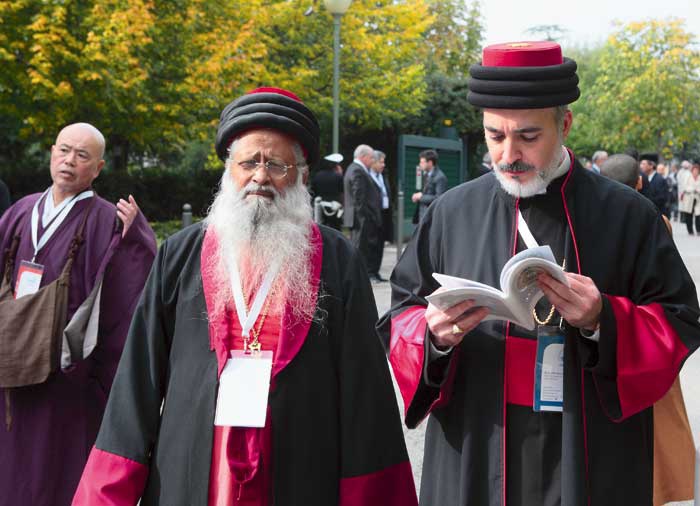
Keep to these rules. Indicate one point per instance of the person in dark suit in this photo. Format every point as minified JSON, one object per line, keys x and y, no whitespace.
{"x":387,"y":228}
{"x":363,"y":209}
{"x":5,"y":201}
{"x":328,"y":185}
{"x":658,"y":188}
{"x":435,"y":182}
{"x":387,"y":199}
{"x":645,"y":181}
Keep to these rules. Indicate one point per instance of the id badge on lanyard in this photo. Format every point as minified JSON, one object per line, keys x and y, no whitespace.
{"x":30,"y":273}
{"x":28,"y":278}
{"x":244,"y":387}
{"x":549,"y":360}
{"x":549,"y":369}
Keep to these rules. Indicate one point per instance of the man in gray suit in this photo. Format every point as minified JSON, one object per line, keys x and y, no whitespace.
{"x":363,"y":209}
{"x":435,"y":182}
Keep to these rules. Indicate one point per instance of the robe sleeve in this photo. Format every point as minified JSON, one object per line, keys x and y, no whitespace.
{"x":5,"y":233}
{"x":5,"y":202}
{"x":9,"y":222}
{"x":117,"y":468}
{"x":122,"y":285}
{"x":645,"y":336}
{"x":374,"y":463}
{"x":424,"y":384}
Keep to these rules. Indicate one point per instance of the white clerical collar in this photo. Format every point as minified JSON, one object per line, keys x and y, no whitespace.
{"x":48,"y":209}
{"x":564,"y":165}
{"x":51,"y":209}
{"x":562,"y":169}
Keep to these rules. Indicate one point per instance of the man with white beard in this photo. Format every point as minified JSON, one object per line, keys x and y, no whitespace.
{"x":256,"y":336}
{"x":510,"y":422}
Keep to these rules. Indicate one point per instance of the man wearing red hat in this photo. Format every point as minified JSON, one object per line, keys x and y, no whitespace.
{"x":511,"y":424}
{"x":252,"y":374}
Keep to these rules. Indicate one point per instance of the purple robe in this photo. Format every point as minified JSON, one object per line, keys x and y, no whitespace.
{"x":54,"y":424}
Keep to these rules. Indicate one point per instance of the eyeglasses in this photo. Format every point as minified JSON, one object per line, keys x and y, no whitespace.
{"x":277,"y":169}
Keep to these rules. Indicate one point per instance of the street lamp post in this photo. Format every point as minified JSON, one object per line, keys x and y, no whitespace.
{"x":337,"y":8}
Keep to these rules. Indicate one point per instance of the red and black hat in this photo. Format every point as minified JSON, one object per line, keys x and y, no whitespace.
{"x":523,"y":75}
{"x":269,"y":108}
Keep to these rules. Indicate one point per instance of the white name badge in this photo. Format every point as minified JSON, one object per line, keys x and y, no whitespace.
{"x":28,"y":278}
{"x":549,"y":370}
{"x":244,"y":387}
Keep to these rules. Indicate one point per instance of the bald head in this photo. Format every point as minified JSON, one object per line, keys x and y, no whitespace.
{"x":621,"y":168}
{"x":86,"y":129}
{"x":76,"y":159}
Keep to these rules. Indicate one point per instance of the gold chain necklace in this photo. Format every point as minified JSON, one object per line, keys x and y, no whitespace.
{"x":255,"y":345}
{"x":551,"y":309}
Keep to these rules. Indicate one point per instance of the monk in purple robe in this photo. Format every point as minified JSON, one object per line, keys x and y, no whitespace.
{"x":48,"y":429}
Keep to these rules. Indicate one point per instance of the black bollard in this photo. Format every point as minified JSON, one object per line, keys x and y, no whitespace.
{"x":186,"y":215}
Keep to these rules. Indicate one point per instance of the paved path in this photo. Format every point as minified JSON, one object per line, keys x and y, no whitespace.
{"x":689,"y":247}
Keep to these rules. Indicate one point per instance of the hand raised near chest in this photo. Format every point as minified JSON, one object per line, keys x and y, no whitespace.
{"x":580,"y":303}
{"x":127,"y":212}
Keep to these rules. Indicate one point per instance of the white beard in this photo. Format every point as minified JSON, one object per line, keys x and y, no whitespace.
{"x":264,"y":231}
{"x":537,"y":184}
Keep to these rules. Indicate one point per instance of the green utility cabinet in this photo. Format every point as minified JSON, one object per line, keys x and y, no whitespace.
{"x":452,"y":161}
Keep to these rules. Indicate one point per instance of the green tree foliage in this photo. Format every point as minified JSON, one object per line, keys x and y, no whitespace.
{"x":153,"y":75}
{"x":547,"y":32}
{"x":381,"y":79}
{"x":586,"y":134}
{"x":133,"y":68}
{"x":454,"y":37}
{"x":453,"y":44}
{"x":647,"y":89}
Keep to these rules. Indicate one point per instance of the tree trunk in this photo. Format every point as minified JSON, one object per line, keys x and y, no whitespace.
{"x":118,"y":152}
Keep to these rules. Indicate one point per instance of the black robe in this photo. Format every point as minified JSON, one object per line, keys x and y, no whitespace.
{"x":336,"y":431}
{"x":484,"y":444}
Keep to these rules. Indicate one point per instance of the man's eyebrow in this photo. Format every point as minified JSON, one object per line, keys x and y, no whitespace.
{"x":79,"y":150}
{"x":524,"y":130}
{"x":250,"y":156}
{"x":528,"y":130}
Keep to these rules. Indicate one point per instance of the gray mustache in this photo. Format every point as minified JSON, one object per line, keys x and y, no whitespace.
{"x":515,"y":167}
{"x":254,"y":187}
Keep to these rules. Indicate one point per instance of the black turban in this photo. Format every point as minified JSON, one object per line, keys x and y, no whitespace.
{"x":269,"y":108}
{"x":523,"y":75}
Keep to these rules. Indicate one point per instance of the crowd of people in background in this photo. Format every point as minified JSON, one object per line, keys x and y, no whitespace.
{"x":360,"y":197}
{"x":674,"y":187}
{"x":367,"y":200}
{"x":269,"y":279}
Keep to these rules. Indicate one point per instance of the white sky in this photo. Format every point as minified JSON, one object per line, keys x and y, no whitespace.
{"x":587,"y":21}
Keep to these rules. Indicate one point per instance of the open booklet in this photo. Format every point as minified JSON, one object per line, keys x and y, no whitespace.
{"x":518,"y":282}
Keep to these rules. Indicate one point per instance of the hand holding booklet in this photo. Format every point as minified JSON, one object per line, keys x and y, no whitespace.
{"x":519,"y":289}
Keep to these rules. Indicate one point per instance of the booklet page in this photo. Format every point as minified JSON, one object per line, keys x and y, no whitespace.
{"x":518,"y":282}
